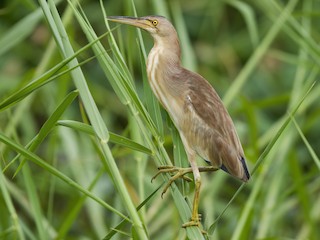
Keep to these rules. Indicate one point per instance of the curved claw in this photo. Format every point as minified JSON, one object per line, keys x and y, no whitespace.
{"x":155,"y":176}
{"x":163,"y":192}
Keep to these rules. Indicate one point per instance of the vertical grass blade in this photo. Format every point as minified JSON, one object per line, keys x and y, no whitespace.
{"x":92,"y":112}
{"x":243,"y":76}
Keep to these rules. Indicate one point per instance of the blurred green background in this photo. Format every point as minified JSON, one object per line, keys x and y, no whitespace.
{"x":260,"y":56}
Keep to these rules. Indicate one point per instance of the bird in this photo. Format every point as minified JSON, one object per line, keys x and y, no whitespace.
{"x":204,"y":124}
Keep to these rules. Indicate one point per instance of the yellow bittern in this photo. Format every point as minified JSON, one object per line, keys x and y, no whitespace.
{"x":205,"y":127}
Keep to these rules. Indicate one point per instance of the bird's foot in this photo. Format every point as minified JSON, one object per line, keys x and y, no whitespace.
{"x":195,"y":222}
{"x":176,"y":172}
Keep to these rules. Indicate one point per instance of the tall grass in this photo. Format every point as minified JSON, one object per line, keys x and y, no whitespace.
{"x":82,"y":134}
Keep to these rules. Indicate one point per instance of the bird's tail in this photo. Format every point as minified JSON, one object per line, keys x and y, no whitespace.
{"x":246,"y":175}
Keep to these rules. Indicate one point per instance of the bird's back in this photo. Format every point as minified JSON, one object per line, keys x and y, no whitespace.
{"x":209,"y":128}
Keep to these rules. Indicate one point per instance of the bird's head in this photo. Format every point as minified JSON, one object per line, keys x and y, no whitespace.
{"x":157,"y":26}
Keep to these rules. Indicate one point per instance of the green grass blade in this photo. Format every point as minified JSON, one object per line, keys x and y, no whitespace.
{"x":40,"y":162}
{"x":73,"y":214}
{"x":79,"y":79}
{"x":48,"y":126}
{"x":34,"y":201}
{"x":45,"y":78}
{"x":188,"y":59}
{"x":92,"y":113}
{"x":248,"y":14}
{"x":243,"y":76}
{"x":310,"y":149}
{"x":123,"y":222}
{"x":9,"y":204}
{"x":114,"y":138}
{"x":19,"y":31}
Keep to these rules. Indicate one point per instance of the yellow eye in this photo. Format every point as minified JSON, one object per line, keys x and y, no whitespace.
{"x":155,"y":22}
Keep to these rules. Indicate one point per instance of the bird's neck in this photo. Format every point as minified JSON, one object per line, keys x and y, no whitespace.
{"x":163,"y":70}
{"x":164,"y":60}
{"x":168,"y":49}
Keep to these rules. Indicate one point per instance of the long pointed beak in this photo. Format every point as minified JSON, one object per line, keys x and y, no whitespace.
{"x":133,"y":21}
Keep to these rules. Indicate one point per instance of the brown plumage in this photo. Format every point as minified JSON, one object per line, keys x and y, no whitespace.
{"x":197,"y":111}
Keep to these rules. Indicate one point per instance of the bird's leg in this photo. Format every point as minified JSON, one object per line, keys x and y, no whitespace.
{"x":195,"y":219}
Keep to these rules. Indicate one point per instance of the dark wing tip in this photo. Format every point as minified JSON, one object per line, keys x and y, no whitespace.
{"x":246,"y":176}
{"x":245,"y":168}
{"x":223,"y":167}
